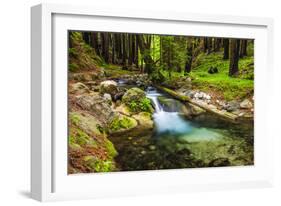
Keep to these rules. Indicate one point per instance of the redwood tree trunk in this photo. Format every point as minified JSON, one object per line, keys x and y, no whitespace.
{"x":234,"y":56}
{"x":225,"y":48}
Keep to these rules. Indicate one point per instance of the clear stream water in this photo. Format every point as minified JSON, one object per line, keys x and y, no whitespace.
{"x":181,"y":142}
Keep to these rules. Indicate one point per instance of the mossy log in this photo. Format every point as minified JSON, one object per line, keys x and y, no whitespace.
{"x":222,"y":114}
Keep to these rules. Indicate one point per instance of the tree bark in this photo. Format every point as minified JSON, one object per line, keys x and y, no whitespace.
{"x":225,"y":48}
{"x":189,"y":49}
{"x":124,"y":51}
{"x":105,"y":47}
{"x":144,"y":45}
{"x":243,"y":48}
{"x":95,"y":43}
{"x":234,"y":56}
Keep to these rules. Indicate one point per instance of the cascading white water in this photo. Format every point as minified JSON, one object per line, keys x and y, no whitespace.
{"x":167,"y":122}
{"x":153,"y":95}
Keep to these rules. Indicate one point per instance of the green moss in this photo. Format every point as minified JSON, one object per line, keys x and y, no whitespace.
{"x":98,"y":165}
{"x":110,"y":148}
{"x":74,"y":118}
{"x":81,"y":138}
{"x":121,"y":122}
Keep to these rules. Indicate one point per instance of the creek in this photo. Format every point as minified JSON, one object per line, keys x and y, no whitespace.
{"x":180,"y":141}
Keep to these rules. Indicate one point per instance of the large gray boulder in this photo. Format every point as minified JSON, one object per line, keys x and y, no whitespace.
{"x":97,"y":106}
{"x":109,"y":87}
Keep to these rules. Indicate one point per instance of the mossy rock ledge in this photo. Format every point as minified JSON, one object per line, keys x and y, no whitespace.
{"x":136,"y":100}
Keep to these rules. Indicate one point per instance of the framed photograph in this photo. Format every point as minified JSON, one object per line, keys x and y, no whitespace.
{"x":137,"y":102}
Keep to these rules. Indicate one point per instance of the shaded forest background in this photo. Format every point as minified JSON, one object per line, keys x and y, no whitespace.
{"x":227,"y":65}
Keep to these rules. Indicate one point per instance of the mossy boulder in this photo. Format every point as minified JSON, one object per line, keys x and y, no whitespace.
{"x":86,"y":122}
{"x":136,"y":100}
{"x":109,"y":87}
{"x":144,"y":120}
{"x":121,"y":124}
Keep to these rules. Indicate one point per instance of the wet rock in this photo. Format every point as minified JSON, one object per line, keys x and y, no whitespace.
{"x":118,"y":96}
{"x":109,"y":86}
{"x":246,"y":104}
{"x":144,"y":120}
{"x":219,"y":162}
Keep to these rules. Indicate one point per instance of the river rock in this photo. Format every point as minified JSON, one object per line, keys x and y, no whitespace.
{"x":246,"y":104}
{"x":78,"y":88}
{"x":97,"y":106}
{"x":107,"y":97}
{"x":118,"y":96}
{"x":123,"y":109}
{"x":144,"y":120}
{"x":232,"y":106}
{"x":133,"y":94}
{"x":109,"y":86}
{"x":122,"y":124}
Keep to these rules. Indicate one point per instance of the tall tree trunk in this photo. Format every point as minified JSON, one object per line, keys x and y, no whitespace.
{"x":95,"y":43}
{"x":70,"y":43}
{"x":225,"y":48}
{"x":124,"y":51}
{"x":105,"y":47}
{"x":86,"y":37}
{"x":243,"y":48}
{"x":133,"y":45}
{"x":144,"y":45}
{"x":234,"y":56}
{"x":136,"y":52}
{"x":130,"y":42}
{"x":217,"y":44}
{"x":112,"y":41}
{"x":189,"y":49}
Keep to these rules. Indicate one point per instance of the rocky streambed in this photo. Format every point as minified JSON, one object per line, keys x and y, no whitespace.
{"x":130,"y":125}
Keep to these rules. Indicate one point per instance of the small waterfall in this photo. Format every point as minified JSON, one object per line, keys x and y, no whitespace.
{"x":165,"y":121}
{"x":153,"y":94}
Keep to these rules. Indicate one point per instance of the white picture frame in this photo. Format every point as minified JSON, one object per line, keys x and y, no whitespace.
{"x":49,"y":179}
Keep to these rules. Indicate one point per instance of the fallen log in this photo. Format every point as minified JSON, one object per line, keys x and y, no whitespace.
{"x":222,"y":114}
